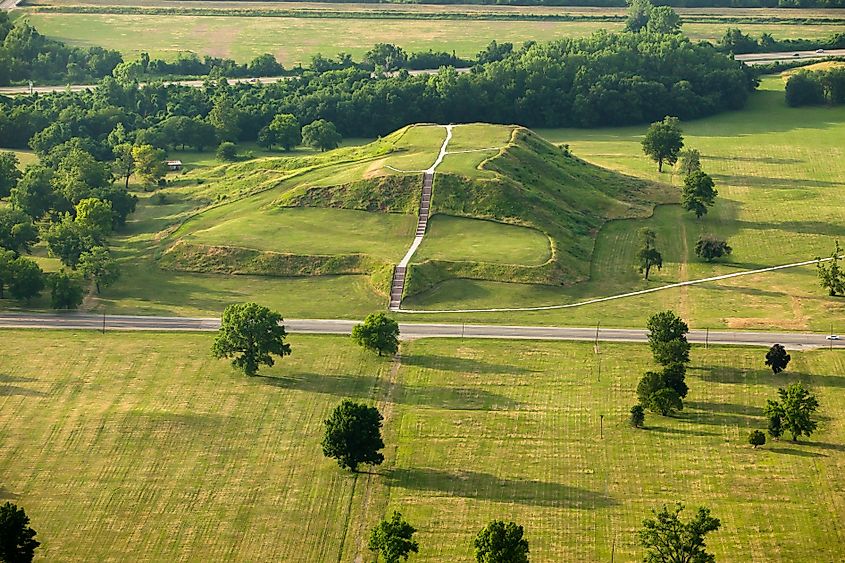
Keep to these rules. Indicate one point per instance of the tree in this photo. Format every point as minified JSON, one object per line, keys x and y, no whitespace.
{"x":663,"y":141}
{"x":794,"y":409}
{"x":17,"y":538}
{"x":665,"y":401}
{"x":227,"y":151}
{"x":27,"y":279}
{"x":265,"y":65}
{"x":124,"y":162}
{"x":149,"y":163}
{"x":674,"y":376}
{"x":804,"y":89}
{"x":98,"y":265}
{"x":777,"y":358}
{"x":698,"y":193}
{"x":667,"y":338}
{"x":17,"y":233}
{"x":664,"y":20}
{"x":321,"y":134}
{"x":283,"y":130}
{"x":668,"y":539}
{"x":639,"y":12}
{"x":831,"y":276}
{"x":689,"y":161}
{"x":648,"y":255}
{"x":393,"y":539}
{"x":224,"y":117}
{"x":378,"y":333}
{"x":65,"y":291}
{"x":34,"y":193}
{"x":710,"y":248}
{"x":96,"y":216}
{"x":501,"y":542}
{"x":353,"y":435}
{"x":67,"y":240}
{"x":250,"y":333}
{"x":386,"y":56}
{"x":7,"y":263}
{"x":774,"y":423}
{"x":9,"y":173}
{"x":756,"y":438}
{"x":637,"y":416}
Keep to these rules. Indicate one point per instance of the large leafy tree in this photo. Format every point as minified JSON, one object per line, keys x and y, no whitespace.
{"x":99,"y":266}
{"x":794,"y":411}
{"x":68,"y":240}
{"x":17,"y":538}
{"x":250,"y":334}
{"x":34,"y":192}
{"x":27,"y":279}
{"x":7,"y":264}
{"x":698,"y":193}
{"x":149,"y":164}
{"x":501,"y":542}
{"x":710,"y":248}
{"x":9,"y":173}
{"x":378,"y":333}
{"x":667,"y":338}
{"x":777,"y":358}
{"x":663,"y":19}
{"x":96,"y":216}
{"x":353,"y":435}
{"x":65,"y":291}
{"x":831,"y":275}
{"x":321,"y":134}
{"x":17,"y":232}
{"x":648,"y":256}
{"x":393,"y":539}
{"x":663,"y":141}
{"x":668,"y":539}
{"x":284,"y":130}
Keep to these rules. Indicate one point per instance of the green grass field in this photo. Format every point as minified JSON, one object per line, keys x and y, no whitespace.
{"x":295,"y":40}
{"x":780,"y":174}
{"x":123,"y":443}
{"x":460,"y":238}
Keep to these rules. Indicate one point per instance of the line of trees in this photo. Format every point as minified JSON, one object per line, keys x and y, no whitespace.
{"x":736,"y":42}
{"x":605,"y":79}
{"x":807,"y":88}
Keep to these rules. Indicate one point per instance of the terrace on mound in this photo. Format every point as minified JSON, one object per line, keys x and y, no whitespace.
{"x":507,"y":206}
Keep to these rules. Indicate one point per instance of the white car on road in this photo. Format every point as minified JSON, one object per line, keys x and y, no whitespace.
{"x":833,"y":337}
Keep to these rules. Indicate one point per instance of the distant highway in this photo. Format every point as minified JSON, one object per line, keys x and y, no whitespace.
{"x":411,"y":330}
{"x":752,"y":59}
{"x":8,"y":5}
{"x":17,"y":90}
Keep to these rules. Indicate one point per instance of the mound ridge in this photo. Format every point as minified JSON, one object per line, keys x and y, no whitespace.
{"x":352,"y":211}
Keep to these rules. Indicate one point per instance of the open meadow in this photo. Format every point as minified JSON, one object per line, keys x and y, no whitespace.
{"x":128,"y":443}
{"x":294,"y":40}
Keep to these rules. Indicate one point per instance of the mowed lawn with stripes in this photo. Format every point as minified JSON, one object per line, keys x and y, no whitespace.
{"x":125,"y":444}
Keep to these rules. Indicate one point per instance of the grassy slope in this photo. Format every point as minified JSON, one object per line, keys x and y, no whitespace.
{"x":779,"y":172}
{"x":121,"y":444}
{"x":296,"y":40}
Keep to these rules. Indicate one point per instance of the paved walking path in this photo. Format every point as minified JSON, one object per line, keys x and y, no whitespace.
{"x":397,"y":285}
{"x":621,"y":295}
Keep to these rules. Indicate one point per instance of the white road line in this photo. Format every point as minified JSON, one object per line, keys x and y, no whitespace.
{"x":621,"y":295}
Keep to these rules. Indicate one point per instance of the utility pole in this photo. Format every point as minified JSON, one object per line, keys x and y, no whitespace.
{"x":706,"y":337}
{"x":601,"y":426}
{"x":104,"y":322}
{"x":613,"y":549}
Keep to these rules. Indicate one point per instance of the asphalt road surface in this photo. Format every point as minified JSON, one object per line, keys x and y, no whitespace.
{"x":795,"y":341}
{"x":752,"y":59}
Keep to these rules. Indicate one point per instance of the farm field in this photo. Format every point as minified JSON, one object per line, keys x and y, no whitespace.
{"x":780,"y":174}
{"x":129,"y":443}
{"x":295,"y":40}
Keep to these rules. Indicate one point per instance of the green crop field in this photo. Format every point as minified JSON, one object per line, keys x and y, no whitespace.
{"x":779,"y":172}
{"x":295,"y":40}
{"x":127,"y":443}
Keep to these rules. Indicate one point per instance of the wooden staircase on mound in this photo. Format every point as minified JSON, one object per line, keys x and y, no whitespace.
{"x":397,"y":286}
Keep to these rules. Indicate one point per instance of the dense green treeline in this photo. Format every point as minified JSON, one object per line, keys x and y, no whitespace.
{"x":620,"y":3}
{"x":817,"y":87}
{"x":606,"y":79}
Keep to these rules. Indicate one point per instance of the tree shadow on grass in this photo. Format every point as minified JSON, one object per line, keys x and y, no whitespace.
{"x":679,"y":431}
{"x":795,"y":452}
{"x":727,"y":374}
{"x":12,"y":390}
{"x":462,"y":365}
{"x":484,"y":486}
{"x":6,"y":494}
{"x":730,"y":408}
{"x":450,"y":398}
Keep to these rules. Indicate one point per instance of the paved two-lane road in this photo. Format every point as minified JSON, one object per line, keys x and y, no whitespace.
{"x":412,"y":330}
{"x":752,"y":59}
